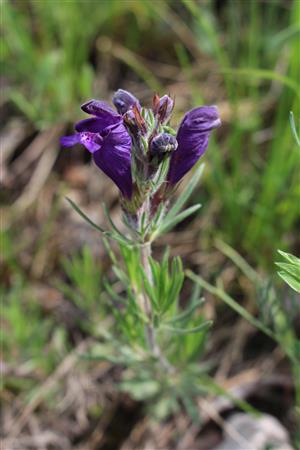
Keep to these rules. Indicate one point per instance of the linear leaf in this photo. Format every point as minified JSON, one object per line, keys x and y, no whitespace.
{"x":232,"y":303}
{"x":187,"y":312}
{"x":290,"y":280}
{"x":168,"y":224}
{"x":292,"y":269}
{"x":202,"y":327}
{"x":182,"y":199}
{"x":114,"y":227}
{"x":293,"y":127}
{"x":84,"y":216}
{"x":289,"y":257}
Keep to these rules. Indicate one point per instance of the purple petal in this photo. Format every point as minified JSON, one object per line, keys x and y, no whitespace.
{"x":102,"y":111}
{"x":202,"y":118}
{"x":192,"y":137}
{"x":114,"y":157}
{"x":94,"y":125}
{"x":69,"y":141}
{"x":124,"y":100}
{"x":91,"y":141}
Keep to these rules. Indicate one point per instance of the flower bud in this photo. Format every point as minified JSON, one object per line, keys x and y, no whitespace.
{"x":161,"y":147}
{"x":134,"y":121}
{"x":163,"y":107}
{"x":124,"y":100}
{"x":163,"y":143}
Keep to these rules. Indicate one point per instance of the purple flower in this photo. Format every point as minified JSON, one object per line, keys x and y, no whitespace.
{"x":192,"y":137}
{"x":107,"y":139}
{"x":124,"y":100}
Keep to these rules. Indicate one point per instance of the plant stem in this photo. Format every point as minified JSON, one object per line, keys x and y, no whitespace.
{"x":149,"y":327}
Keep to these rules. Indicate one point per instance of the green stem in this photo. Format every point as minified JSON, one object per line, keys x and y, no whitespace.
{"x":149,"y":327}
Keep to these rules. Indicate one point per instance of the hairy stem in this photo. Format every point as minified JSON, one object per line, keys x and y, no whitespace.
{"x":149,"y":327}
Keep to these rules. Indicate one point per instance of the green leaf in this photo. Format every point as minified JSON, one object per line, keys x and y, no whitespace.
{"x":212,"y":387}
{"x":291,"y":281}
{"x":289,"y":257}
{"x":187,"y":192}
{"x":114,"y":227}
{"x":169,"y":223}
{"x":232,"y":303}
{"x":26,"y":107}
{"x":140,"y":389}
{"x":294,"y":130}
{"x":85,"y":217}
{"x":186,"y":314}
{"x":264,"y":74}
{"x":292,"y":269}
{"x":116,"y":235}
{"x":202,"y":327}
{"x":191,"y":408}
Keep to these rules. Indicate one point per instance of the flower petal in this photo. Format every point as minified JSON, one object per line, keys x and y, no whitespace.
{"x":192,"y":137}
{"x":202,"y":118}
{"x":91,"y":141}
{"x":69,"y":141}
{"x":102,"y":111}
{"x":94,"y":125}
{"x":114,"y":157}
{"x":123,"y":100}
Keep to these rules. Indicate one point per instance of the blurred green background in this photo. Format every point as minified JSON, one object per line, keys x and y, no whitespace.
{"x":243,"y":56}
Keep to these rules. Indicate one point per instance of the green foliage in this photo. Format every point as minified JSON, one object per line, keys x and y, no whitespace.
{"x":84,"y":275}
{"x":29,"y":338}
{"x":46,"y":52}
{"x":256,"y":77}
{"x":33,"y":343}
{"x":290,"y":270}
{"x":276,"y":316}
{"x":254,"y":180}
{"x":158,"y":343}
{"x":296,"y":133}
{"x":255,"y":169}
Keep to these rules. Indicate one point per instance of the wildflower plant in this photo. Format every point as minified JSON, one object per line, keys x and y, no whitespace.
{"x":156,"y":341}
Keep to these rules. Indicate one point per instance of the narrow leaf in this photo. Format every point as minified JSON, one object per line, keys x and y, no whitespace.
{"x":182,"y":199}
{"x":202,"y":327}
{"x":84,"y":216}
{"x":292,"y":269}
{"x":188,"y":311}
{"x":116,"y":230}
{"x":289,"y":257}
{"x":294,"y":130}
{"x":232,"y":303}
{"x":291,"y":281}
{"x":170,"y":223}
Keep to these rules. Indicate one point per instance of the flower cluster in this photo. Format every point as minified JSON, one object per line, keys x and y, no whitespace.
{"x":136,"y":148}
